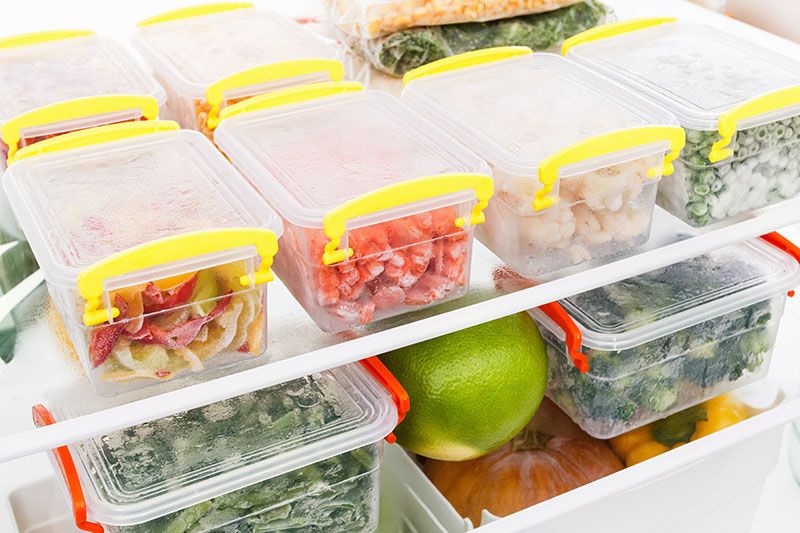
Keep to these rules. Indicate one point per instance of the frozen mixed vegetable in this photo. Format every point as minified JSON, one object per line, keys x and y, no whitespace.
{"x":402,"y":51}
{"x":764,"y":169}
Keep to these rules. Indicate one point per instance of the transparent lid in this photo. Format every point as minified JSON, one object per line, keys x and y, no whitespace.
{"x":312,"y":156}
{"x":43,"y":73}
{"x":645,"y":307}
{"x":695,"y":71}
{"x":146,"y":471}
{"x":190,"y":53}
{"x":82,"y":205}
{"x":515,"y":112}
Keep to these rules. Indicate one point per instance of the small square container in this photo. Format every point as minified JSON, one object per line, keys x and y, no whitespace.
{"x":576,"y":159}
{"x":379,"y":206}
{"x":300,"y":456}
{"x":155,"y":250}
{"x":635,"y":351}
{"x":210,"y":56}
{"x":48,"y":81}
{"x":739,"y":104}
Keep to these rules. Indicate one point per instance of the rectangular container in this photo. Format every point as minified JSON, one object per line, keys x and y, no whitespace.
{"x":300,"y":456}
{"x":379,"y":206}
{"x":150,"y":243}
{"x":629,"y":353}
{"x":576,"y":159}
{"x":739,"y":104}
{"x":209,"y":56}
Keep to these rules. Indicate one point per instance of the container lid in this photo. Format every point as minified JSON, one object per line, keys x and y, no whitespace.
{"x":192,"y":48}
{"x":661,"y":302}
{"x":697,"y":72}
{"x":331,"y":143}
{"x":44,"y":68}
{"x":123,"y":185}
{"x":137,"y":474}
{"x":515,"y":108}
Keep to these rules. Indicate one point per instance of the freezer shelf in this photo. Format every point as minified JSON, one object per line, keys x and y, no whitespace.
{"x":299,"y":348}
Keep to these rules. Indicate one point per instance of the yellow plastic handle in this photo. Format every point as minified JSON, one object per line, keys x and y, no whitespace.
{"x":41,"y":37}
{"x":607,"y":143}
{"x":96,"y":135}
{"x":193,"y":11}
{"x":467,"y":59}
{"x":405,"y":192}
{"x":728,"y":121}
{"x":611,"y":29}
{"x":290,"y":96}
{"x":168,"y":249}
{"x":11,"y":131}
{"x":265,"y":74}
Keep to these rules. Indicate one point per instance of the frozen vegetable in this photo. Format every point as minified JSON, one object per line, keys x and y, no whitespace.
{"x":764,"y":169}
{"x":373,"y":18}
{"x":408,"y":49}
{"x":332,"y":495}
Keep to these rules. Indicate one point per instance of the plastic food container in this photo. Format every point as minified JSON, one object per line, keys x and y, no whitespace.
{"x":739,"y":104}
{"x":643,"y":348}
{"x":576,"y":159}
{"x":47,"y":80}
{"x":209,"y":56}
{"x":300,"y":456}
{"x":379,"y":206}
{"x":373,"y":18}
{"x":157,"y":263}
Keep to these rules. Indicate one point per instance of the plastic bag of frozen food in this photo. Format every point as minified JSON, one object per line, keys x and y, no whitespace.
{"x":375,"y":18}
{"x":408,"y":49}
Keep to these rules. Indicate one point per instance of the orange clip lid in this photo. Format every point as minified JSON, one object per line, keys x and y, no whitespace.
{"x":42,"y":417}
{"x":574,"y":339}
{"x":783,"y":244}
{"x":401,"y":400}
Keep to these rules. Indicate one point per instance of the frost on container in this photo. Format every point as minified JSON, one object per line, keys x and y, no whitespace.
{"x":739,"y":104}
{"x":379,"y":208}
{"x":300,"y":456}
{"x":540,"y":122}
{"x":156,"y":263}
{"x":209,"y":57}
{"x":669,"y":339}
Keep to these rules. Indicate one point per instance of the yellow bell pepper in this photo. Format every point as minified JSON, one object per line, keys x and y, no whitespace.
{"x":685,"y":426}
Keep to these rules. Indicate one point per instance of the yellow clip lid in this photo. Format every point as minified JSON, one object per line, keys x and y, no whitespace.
{"x":235,"y":48}
{"x":612,"y":28}
{"x":27,"y":39}
{"x":697,"y":72}
{"x":467,"y":59}
{"x":314,"y":158}
{"x":193,"y":11}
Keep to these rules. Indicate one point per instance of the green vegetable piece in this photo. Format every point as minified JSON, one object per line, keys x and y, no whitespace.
{"x":186,"y":519}
{"x":679,"y":427}
{"x":206,"y":289}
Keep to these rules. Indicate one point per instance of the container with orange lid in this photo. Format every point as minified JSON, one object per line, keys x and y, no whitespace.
{"x":209,"y":56}
{"x":378,"y":204}
{"x":157,"y":263}
{"x":300,"y":456}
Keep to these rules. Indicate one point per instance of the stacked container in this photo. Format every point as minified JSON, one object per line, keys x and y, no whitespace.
{"x":300,"y":456}
{"x":209,"y":56}
{"x":157,"y":262}
{"x":739,"y":104}
{"x":643,"y":348}
{"x":379,"y":206}
{"x":576,"y":159}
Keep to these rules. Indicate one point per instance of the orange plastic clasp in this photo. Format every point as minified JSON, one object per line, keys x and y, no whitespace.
{"x":399,"y":394}
{"x":42,"y":417}
{"x":783,"y":244}
{"x":574,"y":339}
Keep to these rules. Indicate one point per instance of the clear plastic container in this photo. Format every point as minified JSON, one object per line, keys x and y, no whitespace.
{"x":739,"y":104}
{"x":374,"y":18}
{"x":155,"y":250}
{"x":576,"y":159}
{"x":379,"y":206}
{"x":40,"y":73}
{"x":300,"y":456}
{"x":210,"y":56}
{"x":643,"y":348}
